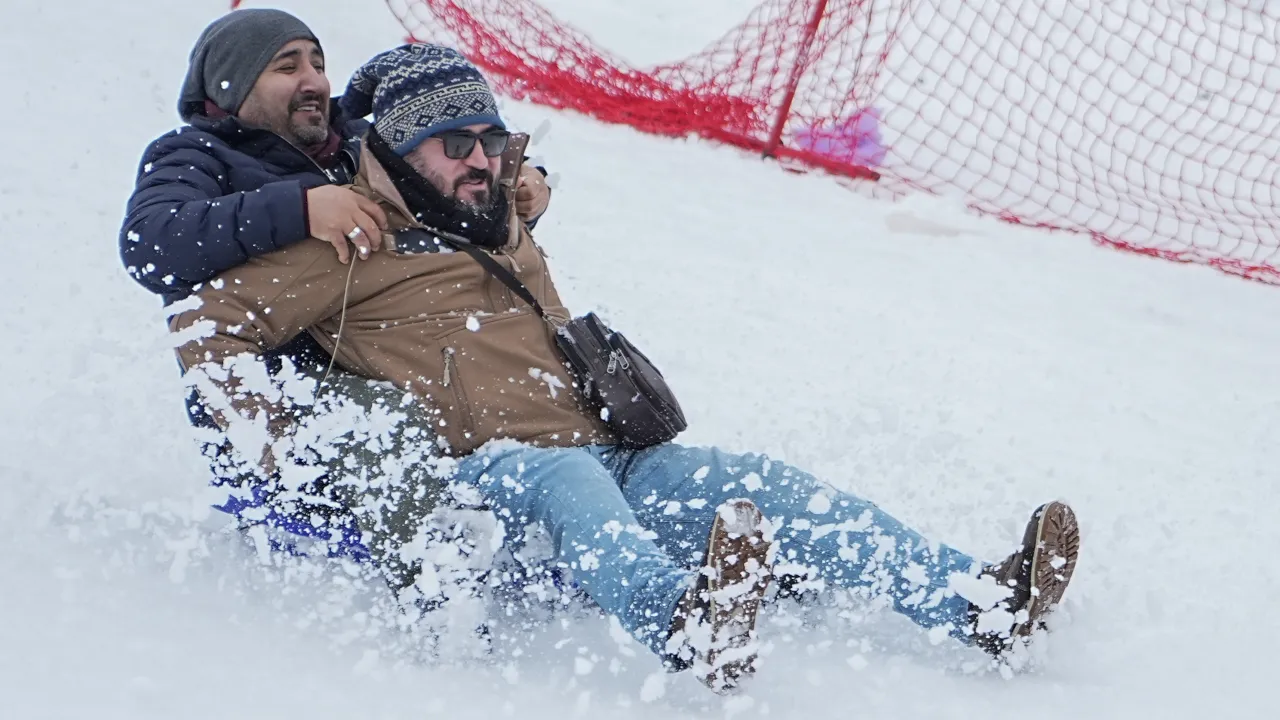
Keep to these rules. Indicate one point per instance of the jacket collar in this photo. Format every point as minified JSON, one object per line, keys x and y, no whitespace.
{"x":258,"y":142}
{"x":374,"y":180}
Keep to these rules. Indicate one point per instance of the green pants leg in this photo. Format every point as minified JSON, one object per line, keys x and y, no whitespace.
{"x":379,"y":457}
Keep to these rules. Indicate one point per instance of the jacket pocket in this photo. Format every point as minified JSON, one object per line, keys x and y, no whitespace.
{"x":452,"y":382}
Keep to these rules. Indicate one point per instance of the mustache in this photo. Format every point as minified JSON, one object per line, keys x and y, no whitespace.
{"x":473,"y":175}
{"x":309,"y":97}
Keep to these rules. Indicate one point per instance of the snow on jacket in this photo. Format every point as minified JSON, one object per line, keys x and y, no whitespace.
{"x":435,"y":322}
{"x":213,"y":194}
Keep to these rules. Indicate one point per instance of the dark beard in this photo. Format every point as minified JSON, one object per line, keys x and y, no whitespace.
{"x":483,"y":201}
{"x":485,"y":226}
{"x":308,"y":136}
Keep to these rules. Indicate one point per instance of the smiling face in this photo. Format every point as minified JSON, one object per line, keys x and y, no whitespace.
{"x":471,"y":180}
{"x":291,"y":96}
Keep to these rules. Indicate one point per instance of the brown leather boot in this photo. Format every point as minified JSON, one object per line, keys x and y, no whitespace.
{"x":713,"y":630}
{"x":1038,"y":574}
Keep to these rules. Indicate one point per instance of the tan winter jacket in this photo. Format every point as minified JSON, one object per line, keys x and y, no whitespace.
{"x":436,"y":323}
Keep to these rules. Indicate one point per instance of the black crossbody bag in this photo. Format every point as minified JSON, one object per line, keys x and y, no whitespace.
{"x":617,"y":380}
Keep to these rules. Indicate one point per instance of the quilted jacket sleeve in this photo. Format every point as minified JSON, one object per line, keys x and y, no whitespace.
{"x":184,"y":225}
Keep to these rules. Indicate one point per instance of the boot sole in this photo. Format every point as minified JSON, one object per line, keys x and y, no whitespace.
{"x":740,"y":553}
{"x":1053,"y":562}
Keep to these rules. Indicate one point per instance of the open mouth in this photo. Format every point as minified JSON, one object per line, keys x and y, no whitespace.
{"x":308,"y":107}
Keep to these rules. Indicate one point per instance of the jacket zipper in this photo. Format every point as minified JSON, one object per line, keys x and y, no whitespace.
{"x":307,"y":157}
{"x":451,"y":380}
{"x":448,"y":366}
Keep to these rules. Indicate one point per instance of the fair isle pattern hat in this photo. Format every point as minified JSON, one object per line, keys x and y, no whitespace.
{"x":418,"y":90}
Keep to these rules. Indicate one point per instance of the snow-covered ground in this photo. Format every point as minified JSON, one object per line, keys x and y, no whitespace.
{"x":955,"y":370}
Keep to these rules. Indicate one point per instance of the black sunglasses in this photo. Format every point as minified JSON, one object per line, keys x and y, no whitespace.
{"x":458,"y":144}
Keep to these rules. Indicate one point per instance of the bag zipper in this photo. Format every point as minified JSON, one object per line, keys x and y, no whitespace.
{"x":616,"y":358}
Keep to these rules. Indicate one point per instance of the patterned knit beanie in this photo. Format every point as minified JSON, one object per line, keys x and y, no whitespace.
{"x":416,"y":91}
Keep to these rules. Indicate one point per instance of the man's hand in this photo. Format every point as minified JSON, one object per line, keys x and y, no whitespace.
{"x":532,"y":194}
{"x":335,"y":213}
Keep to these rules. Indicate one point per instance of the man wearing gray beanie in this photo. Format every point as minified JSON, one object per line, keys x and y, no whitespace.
{"x":256,"y":168}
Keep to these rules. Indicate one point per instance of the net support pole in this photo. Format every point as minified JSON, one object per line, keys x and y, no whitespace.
{"x":793,"y":81}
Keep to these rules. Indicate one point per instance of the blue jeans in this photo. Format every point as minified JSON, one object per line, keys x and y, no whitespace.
{"x":633,"y":526}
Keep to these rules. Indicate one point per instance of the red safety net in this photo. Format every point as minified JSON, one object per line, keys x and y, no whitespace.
{"x":1150,"y":127}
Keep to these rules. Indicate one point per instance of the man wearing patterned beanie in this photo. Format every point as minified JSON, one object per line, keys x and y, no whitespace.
{"x":669,"y":540}
{"x":429,"y":106}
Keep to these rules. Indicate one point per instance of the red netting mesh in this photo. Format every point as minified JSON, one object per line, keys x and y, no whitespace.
{"x":1151,"y":126}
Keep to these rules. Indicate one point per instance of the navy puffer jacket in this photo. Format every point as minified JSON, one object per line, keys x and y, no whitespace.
{"x":214,"y":193}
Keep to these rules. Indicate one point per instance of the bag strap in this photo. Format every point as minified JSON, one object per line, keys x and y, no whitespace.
{"x":493,"y":266}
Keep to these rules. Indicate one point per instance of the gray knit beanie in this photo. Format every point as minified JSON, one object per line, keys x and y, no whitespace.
{"x":418,"y":90}
{"x":230,"y":55}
